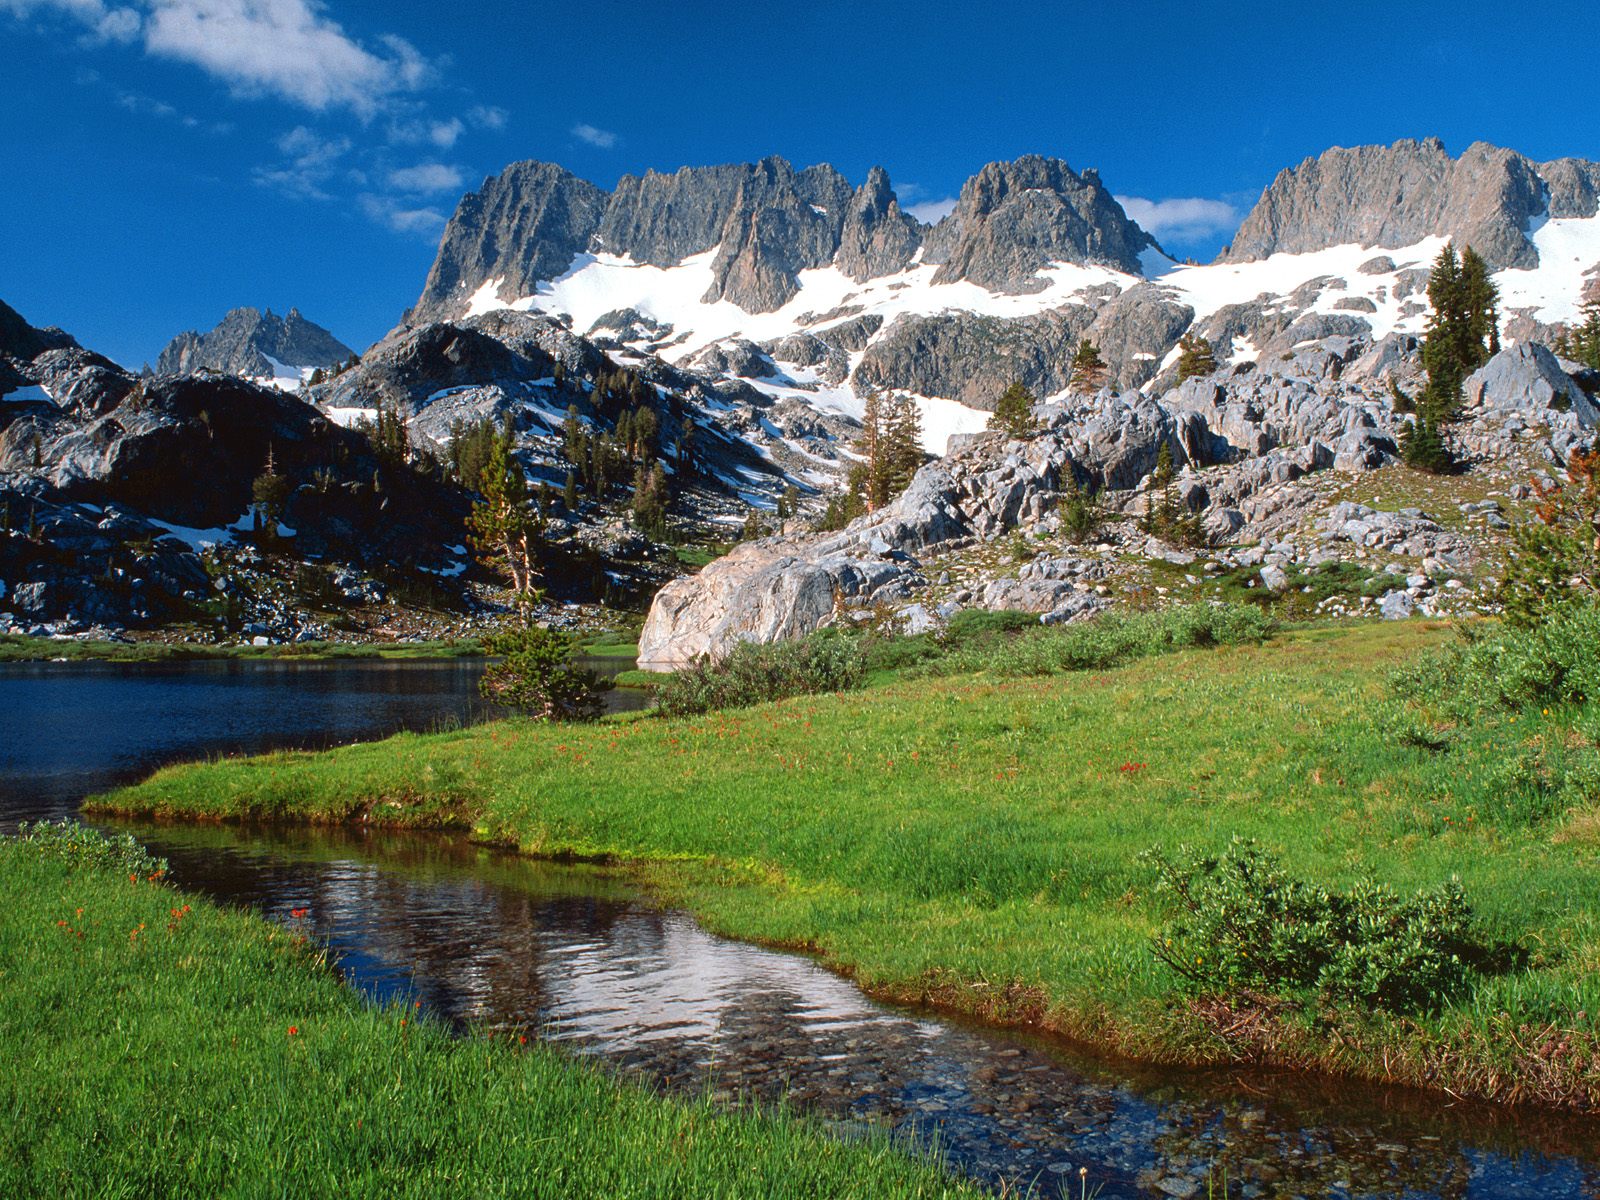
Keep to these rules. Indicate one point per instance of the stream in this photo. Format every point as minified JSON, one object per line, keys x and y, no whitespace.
{"x":578,"y":957}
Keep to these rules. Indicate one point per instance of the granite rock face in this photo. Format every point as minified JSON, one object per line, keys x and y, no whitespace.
{"x":1013,"y":219}
{"x":1398,"y":195}
{"x":522,"y":226}
{"x":247,"y":341}
{"x":878,"y":238}
{"x":1528,"y":378}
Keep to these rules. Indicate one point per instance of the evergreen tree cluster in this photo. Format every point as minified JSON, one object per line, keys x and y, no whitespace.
{"x":1013,"y":412}
{"x":890,"y":447}
{"x":1166,"y":516}
{"x":1581,"y":344}
{"x":1463,"y":333}
{"x":1196,"y":357}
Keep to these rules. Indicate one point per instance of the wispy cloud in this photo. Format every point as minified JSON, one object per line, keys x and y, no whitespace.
{"x":103,"y":21}
{"x":425,"y":178}
{"x":296,"y":52}
{"x":930,"y":212}
{"x":602,"y":138}
{"x":925,"y":204}
{"x":1182,"y":218}
{"x":311,"y":160}
{"x":425,"y":223}
{"x":285,"y":48}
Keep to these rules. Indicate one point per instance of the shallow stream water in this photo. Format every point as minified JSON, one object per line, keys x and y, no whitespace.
{"x":483,"y":937}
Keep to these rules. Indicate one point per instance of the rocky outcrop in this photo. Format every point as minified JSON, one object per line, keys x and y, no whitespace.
{"x":522,"y":226}
{"x":1398,"y":195}
{"x":1527,"y":378}
{"x":256,"y":345}
{"x":1013,"y":219}
{"x":20,"y":340}
{"x":972,"y":358}
{"x":878,"y":238}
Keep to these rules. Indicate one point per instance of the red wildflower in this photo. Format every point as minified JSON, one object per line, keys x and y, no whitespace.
{"x":294,"y":1031}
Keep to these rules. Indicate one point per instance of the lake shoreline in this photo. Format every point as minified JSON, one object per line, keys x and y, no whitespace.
{"x":761,"y":898}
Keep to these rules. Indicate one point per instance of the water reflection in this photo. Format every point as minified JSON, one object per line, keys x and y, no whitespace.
{"x":483,"y":937}
{"x":71,"y":729}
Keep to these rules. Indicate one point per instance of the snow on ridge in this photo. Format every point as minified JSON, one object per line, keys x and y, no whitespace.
{"x":599,"y":283}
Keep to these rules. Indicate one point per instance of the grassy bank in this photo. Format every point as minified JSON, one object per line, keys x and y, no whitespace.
{"x":156,"y":1045}
{"x":19,"y":648}
{"x":973,"y":840}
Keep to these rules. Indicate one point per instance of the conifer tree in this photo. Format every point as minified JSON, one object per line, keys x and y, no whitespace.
{"x":1581,"y":344}
{"x":890,"y":447}
{"x":504,"y":526}
{"x":269,"y":494}
{"x":1195,"y":357}
{"x":1462,"y":333}
{"x":1013,"y":412}
{"x":1088,"y":368}
{"x":1166,"y":517}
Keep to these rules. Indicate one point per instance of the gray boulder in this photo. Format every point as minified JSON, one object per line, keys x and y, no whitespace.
{"x":1527,"y":378}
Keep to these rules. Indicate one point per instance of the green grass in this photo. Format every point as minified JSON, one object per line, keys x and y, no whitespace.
{"x":156,"y":1045}
{"x":972,"y":841}
{"x":19,"y":648}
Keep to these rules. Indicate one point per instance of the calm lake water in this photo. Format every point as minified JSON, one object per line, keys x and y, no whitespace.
{"x":483,"y":937}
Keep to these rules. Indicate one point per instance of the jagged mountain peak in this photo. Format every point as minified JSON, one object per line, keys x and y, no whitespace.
{"x":257,"y":344}
{"x":1399,"y":195}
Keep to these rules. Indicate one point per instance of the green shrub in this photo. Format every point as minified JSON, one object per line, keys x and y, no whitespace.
{"x":82,"y":847}
{"x":1106,"y":641}
{"x":751,"y":673}
{"x":1244,"y":923}
{"x":537,"y":677}
{"x":1510,"y":668}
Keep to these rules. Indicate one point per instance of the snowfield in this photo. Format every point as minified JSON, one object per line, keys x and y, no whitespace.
{"x":597,"y":284}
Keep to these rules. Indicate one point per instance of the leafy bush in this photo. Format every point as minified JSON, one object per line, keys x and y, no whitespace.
{"x":536,"y":676}
{"x":1510,"y":668}
{"x":1107,"y":641}
{"x":1244,"y":923}
{"x":83,"y":847}
{"x":829,"y":661}
{"x":1555,"y":561}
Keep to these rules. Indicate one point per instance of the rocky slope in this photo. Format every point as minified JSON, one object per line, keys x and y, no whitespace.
{"x":839,"y":290}
{"x":1269,"y":459}
{"x":1401,"y":194}
{"x":256,"y":345}
{"x":122,"y":500}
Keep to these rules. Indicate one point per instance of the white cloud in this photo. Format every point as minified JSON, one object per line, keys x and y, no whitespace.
{"x":102,"y":20}
{"x":445,"y":133}
{"x":427,"y":177}
{"x":603,"y":138}
{"x":285,"y":48}
{"x":488,"y":116}
{"x":930,"y":212}
{"x":1182,"y":218}
{"x":426,"y":223}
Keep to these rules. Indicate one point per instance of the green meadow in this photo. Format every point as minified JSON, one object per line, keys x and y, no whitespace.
{"x":157,"y":1045}
{"x":971,"y":840}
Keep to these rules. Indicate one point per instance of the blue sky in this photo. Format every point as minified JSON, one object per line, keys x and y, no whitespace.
{"x":170,"y":159}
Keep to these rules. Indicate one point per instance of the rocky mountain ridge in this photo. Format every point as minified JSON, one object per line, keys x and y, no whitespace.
{"x":1266,"y":458}
{"x":256,"y":344}
{"x":794,"y":284}
{"x":765,"y":223}
{"x":1399,"y":195}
